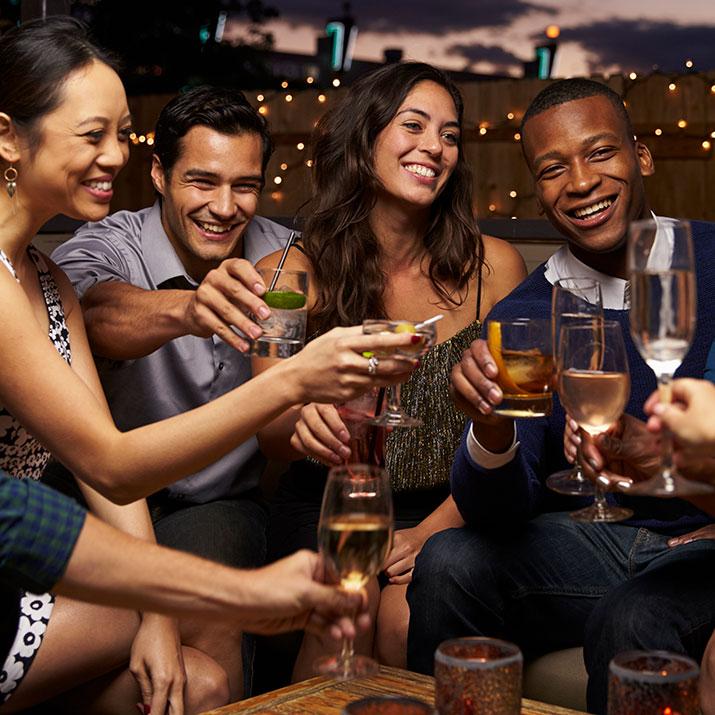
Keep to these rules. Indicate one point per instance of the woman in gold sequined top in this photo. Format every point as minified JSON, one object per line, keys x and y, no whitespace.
{"x":390,"y":234}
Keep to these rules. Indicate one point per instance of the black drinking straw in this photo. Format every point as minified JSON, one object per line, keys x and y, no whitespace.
{"x":378,"y":410}
{"x":284,"y":255}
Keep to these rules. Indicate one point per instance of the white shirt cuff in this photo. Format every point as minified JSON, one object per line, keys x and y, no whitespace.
{"x":486,"y":459}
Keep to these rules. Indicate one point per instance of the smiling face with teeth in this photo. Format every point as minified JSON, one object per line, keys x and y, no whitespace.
{"x":81,"y":146}
{"x":209,"y":196}
{"x":416,"y":153}
{"x":589,"y":174}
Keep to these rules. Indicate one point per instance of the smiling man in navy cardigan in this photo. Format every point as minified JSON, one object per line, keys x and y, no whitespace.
{"x":522,"y":569}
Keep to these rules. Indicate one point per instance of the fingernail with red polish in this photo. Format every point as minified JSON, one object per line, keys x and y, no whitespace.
{"x":416,"y":339}
{"x":147,"y":709}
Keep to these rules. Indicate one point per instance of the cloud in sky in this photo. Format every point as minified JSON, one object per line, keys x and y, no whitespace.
{"x":417,"y":16}
{"x":501,"y":59}
{"x":641,"y":44}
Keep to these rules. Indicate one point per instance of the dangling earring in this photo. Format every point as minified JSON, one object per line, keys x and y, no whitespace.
{"x":10,"y":180}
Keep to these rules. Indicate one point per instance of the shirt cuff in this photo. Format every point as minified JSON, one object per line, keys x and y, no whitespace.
{"x":486,"y":459}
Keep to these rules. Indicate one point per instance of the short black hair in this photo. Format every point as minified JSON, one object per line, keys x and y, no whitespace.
{"x":568,"y":90}
{"x":36,"y":60}
{"x":223,"y":109}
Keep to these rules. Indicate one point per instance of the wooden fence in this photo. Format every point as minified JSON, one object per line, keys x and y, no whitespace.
{"x":673,"y":115}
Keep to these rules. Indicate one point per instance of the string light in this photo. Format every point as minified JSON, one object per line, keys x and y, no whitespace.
{"x":284,"y":84}
{"x":321,"y":98}
{"x":263,"y":110}
{"x":284,"y":166}
{"x":672,"y":86}
{"x":712,"y":88}
{"x":309,"y":80}
{"x":706,"y":145}
{"x":289,"y":97}
{"x":633,"y":75}
{"x":712,"y":135}
{"x":658,"y":132}
{"x":512,"y":193}
{"x":689,"y":64}
{"x":682,"y":123}
{"x":277,"y":195}
{"x":336,"y":82}
{"x":278,"y":180}
{"x":517,"y":137}
{"x":260,"y":97}
{"x":482,"y":130}
{"x":492,"y":207}
{"x":309,"y":163}
{"x":300,"y":146}
{"x":510,"y":115}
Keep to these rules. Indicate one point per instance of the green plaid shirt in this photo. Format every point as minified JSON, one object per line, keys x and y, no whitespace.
{"x":38,"y":531}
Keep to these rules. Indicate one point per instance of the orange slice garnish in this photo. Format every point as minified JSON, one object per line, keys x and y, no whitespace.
{"x":494,"y":344}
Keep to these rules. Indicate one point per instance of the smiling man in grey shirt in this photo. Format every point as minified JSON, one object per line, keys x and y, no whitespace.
{"x":163,"y":291}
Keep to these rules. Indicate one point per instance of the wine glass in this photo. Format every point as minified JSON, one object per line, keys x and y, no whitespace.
{"x":574,"y":301}
{"x":354,"y":535}
{"x":594,"y":385}
{"x":662,"y":316}
{"x":394,"y":415}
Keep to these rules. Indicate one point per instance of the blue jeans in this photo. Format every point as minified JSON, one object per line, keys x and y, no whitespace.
{"x":556,"y":583}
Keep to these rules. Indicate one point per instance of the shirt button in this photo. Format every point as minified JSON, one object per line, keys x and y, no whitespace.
{"x":220,"y":366}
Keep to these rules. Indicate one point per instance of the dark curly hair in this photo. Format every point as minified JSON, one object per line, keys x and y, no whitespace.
{"x":344,"y":252}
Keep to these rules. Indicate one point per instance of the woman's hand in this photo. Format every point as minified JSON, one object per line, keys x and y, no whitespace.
{"x":332,"y":368}
{"x":157,"y":663}
{"x":400,"y":562}
{"x":689,"y":416}
{"x":320,"y":433}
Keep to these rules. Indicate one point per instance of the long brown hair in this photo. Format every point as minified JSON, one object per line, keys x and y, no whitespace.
{"x":344,"y":252}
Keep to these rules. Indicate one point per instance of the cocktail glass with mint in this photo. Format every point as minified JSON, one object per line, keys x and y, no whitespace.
{"x":284,"y":331}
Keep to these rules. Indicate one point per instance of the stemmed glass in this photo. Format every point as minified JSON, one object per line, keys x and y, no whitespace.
{"x":394,"y":415}
{"x":574,"y":301}
{"x":594,"y":385}
{"x":354,"y":536}
{"x":662,"y":315}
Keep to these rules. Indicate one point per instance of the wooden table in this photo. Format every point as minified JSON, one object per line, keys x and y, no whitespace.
{"x":325,"y":696}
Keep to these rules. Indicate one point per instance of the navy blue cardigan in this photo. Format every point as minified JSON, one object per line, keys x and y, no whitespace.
{"x":516,"y":491}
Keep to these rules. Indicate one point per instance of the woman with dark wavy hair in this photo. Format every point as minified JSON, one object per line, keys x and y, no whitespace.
{"x":390,"y":234}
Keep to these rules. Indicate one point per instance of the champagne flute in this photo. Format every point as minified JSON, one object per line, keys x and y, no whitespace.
{"x":594,"y":385}
{"x":394,"y":415}
{"x":574,"y":301}
{"x":354,"y":535}
{"x":663,"y":301}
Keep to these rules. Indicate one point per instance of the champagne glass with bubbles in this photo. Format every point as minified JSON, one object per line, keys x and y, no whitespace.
{"x":354,"y":536}
{"x":662,"y":315}
{"x":594,"y":386}
{"x":574,"y":301}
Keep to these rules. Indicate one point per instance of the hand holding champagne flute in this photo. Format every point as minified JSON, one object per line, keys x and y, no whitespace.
{"x":354,"y":535}
{"x":594,"y":386}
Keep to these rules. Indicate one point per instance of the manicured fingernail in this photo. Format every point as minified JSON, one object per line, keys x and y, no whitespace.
{"x":484,"y":407}
{"x":263,"y":312}
{"x":491,"y":368}
{"x":259,"y":288}
{"x":593,"y":463}
{"x":659,"y":409}
{"x":344,"y":436}
{"x":147,"y":709}
{"x":573,"y":425}
{"x":625,"y":486}
{"x":603,"y":481}
{"x":494,"y":394}
{"x":255,"y":331}
{"x":576,"y":439}
{"x":416,"y":339}
{"x":345,"y":451}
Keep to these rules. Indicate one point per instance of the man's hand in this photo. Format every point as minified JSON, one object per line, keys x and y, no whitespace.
{"x":290,"y":595}
{"x":627,"y":453}
{"x":476,"y":394}
{"x":222,"y":301}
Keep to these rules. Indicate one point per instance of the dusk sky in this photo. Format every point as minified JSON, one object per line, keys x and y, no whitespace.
{"x":496,"y":35}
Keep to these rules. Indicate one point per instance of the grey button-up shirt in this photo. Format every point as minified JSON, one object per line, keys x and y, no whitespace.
{"x":184,"y":373}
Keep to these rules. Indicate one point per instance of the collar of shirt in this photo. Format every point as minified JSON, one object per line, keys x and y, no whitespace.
{"x":615,"y":291}
{"x":159,"y":255}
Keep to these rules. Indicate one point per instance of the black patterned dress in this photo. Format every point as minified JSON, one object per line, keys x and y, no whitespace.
{"x":22,"y":456}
